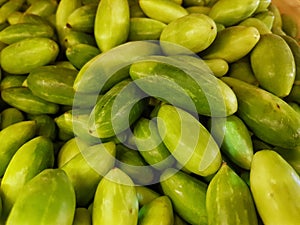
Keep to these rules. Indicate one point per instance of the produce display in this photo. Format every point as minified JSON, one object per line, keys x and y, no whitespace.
{"x":149,"y":112}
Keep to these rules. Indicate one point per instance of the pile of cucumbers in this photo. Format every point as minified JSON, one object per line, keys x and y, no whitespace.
{"x":149,"y":112}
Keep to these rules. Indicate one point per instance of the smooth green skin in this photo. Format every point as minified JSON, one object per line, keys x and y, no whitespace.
{"x":82,"y":217}
{"x":12,"y":81}
{"x":164,"y":11}
{"x":31,"y":158}
{"x":23,"y":99}
{"x":219,"y":67}
{"x":241,"y":69}
{"x":188,"y":141}
{"x":157,"y":76}
{"x":10,"y":116}
{"x":47,"y":199}
{"x":234,"y":138}
{"x":229,"y":200}
{"x":270,"y":118}
{"x":25,"y":55}
{"x":232,"y":43}
{"x":82,"y":19}
{"x":112,"y":23}
{"x":188,"y":3}
{"x":42,"y":8}
{"x":115,"y":200}
{"x":198,"y":9}
{"x":46,"y":126}
{"x":188,"y":195}
{"x":21,"y":31}
{"x":69,"y":150}
{"x":295,"y":48}
{"x":277,"y":23}
{"x":178,"y":220}
{"x":10,"y":143}
{"x":231,"y":12}
{"x":159,"y":211}
{"x":109,"y":116}
{"x":257,"y":23}
{"x":65,"y":126}
{"x":267,"y":17}
{"x":145,"y":29}
{"x":53,"y":84}
{"x":80,"y":54}
{"x":194,"y":31}
{"x":277,"y":73}
{"x":292,"y":156}
{"x":107,"y":69}
{"x":132,"y":163}
{"x":87,"y":168}
{"x":78,"y":37}
{"x":150,"y":145}
{"x":145,"y":195}
{"x":64,"y":9}
{"x":135,"y":9}
{"x":275,"y":188}
{"x":295,"y":106}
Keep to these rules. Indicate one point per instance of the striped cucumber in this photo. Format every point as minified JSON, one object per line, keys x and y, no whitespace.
{"x":228,"y":200}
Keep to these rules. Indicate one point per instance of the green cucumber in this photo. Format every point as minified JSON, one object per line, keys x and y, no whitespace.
{"x":270,"y":118}
{"x":187,"y":194}
{"x":47,"y":199}
{"x":228,"y":200}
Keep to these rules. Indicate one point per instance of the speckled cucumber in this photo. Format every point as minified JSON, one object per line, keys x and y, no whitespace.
{"x":270,"y":118}
{"x":275,"y":188}
{"x":53,"y":84}
{"x":11,"y":143}
{"x":50,"y":193}
{"x":188,"y":195}
{"x":23,"y":56}
{"x":31,"y":158}
{"x":229,"y":200}
{"x":277,"y":73}
{"x":115,"y":200}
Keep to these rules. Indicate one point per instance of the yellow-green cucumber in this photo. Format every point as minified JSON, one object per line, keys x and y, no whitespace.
{"x":31,"y":158}
{"x":82,"y":217}
{"x":150,"y":144}
{"x":53,"y":84}
{"x":275,"y":188}
{"x":188,"y":141}
{"x":229,"y":200}
{"x":115,"y":200}
{"x":188,"y":195}
{"x":47,"y":199}
{"x":86,"y":169}
{"x":159,"y":211}
{"x":11,"y":142}
{"x":184,"y":82}
{"x":10,"y":116}
{"x":117,"y":109}
{"x":269,"y":117}
{"x":145,"y":195}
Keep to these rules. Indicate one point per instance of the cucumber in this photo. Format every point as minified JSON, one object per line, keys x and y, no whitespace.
{"x":270,"y":118}
{"x":228,"y":200}
{"x":188,"y":195}
{"x":274,"y":185}
{"x":47,"y":199}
